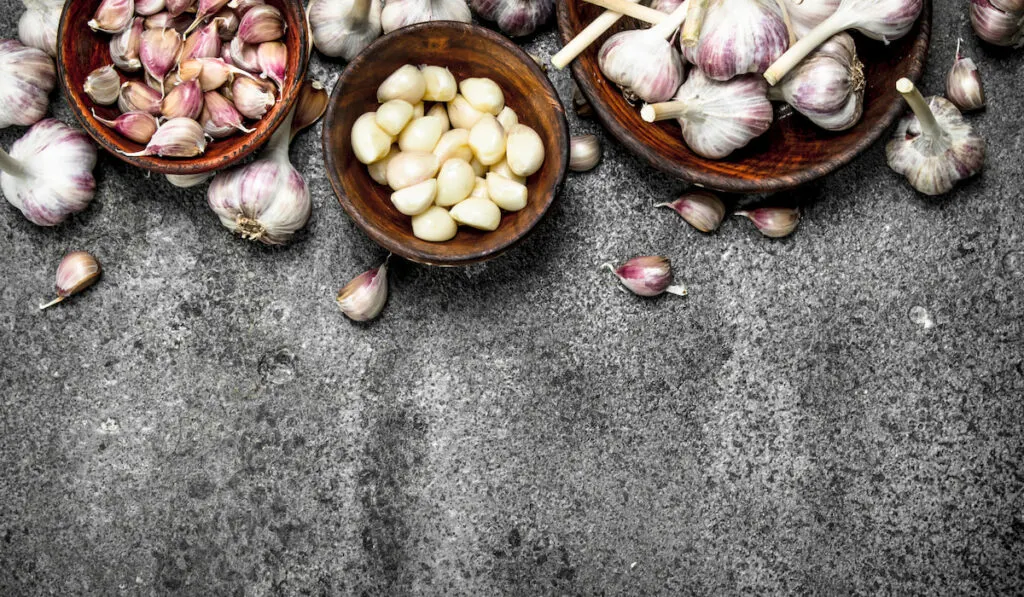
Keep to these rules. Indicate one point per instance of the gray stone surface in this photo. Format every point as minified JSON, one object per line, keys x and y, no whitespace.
{"x":838,"y":412}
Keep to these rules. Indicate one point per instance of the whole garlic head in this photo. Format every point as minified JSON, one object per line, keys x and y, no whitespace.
{"x":515,"y":17}
{"x":402,"y":13}
{"x":644,"y":65}
{"x":828,"y":86}
{"x":27,"y":76}
{"x":343,"y":28}
{"x":38,"y":25}
{"x":739,"y":37}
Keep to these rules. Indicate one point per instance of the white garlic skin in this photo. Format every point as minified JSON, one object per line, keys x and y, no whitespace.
{"x":963,"y":85}
{"x":402,"y":13}
{"x":364,"y":297}
{"x":47,"y":195}
{"x":828,"y":86}
{"x":739,"y":37}
{"x":344,"y":28}
{"x":124,"y":47}
{"x":38,"y":25}
{"x":266,"y":200}
{"x":808,"y":14}
{"x":884,"y":20}
{"x":642,"y":63}
{"x":584,"y":153}
{"x":515,"y":17}
{"x":27,"y":76}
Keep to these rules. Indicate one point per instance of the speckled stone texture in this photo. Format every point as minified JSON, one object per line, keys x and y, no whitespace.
{"x":835,"y":413}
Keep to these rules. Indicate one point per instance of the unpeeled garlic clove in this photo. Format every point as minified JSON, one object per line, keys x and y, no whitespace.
{"x":406,"y":83}
{"x":478,"y":213}
{"x":244,"y":56}
{"x":113,"y":16}
{"x":204,"y":43}
{"x":124,"y":47}
{"x":137,"y":126}
{"x":148,"y":8}
{"x":136,"y":97}
{"x":524,"y":150}
{"x":455,"y":181}
{"x":369,"y":142}
{"x":701,"y":209}
{"x":311,"y":106}
{"x":773,"y":222}
{"x":176,"y":138}
{"x":410,"y":168}
{"x":261,"y":23}
{"x":440,"y":85}
{"x":243,"y":6}
{"x":219,"y":117}
{"x":506,"y":194}
{"x":251,"y":97}
{"x":738,"y":37}
{"x":963,"y":84}
{"x":158,"y":52}
{"x":584,"y":153}
{"x":77,"y":271}
{"x":462,"y":115}
{"x":165,"y":20}
{"x":27,"y":76}
{"x":415,"y":199}
{"x":647,"y":276}
{"x":421,"y":134}
{"x":364,"y":297}
{"x":997,"y":26}
{"x":515,"y":17}
{"x":184,"y":101}
{"x":212,"y":73}
{"x":273,"y":60}
{"x":487,"y":140}
{"x":483,"y":94}
{"x":402,"y":13}
{"x":434,"y":225}
{"x":205,"y":8}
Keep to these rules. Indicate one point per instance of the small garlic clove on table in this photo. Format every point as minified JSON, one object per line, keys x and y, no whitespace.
{"x":364,"y":297}
{"x":701,"y":209}
{"x":77,"y":271}
{"x":773,"y":222}
{"x":963,"y":84}
{"x":584,"y":153}
{"x":647,"y":276}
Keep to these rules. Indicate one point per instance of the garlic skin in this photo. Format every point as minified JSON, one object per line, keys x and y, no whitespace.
{"x":642,"y":64}
{"x":176,"y":138}
{"x":701,"y":209}
{"x":27,"y":76}
{"x":963,"y":85}
{"x":773,"y":222}
{"x":402,"y":13}
{"x":828,"y":86}
{"x":261,"y":23}
{"x":124,"y":47}
{"x":739,"y":37}
{"x":219,"y":117}
{"x":515,"y":18}
{"x":184,"y":101}
{"x":77,"y":271}
{"x":158,"y":52}
{"x":137,"y":126}
{"x":997,"y":26}
{"x":647,"y":276}
{"x":113,"y":16}
{"x":244,"y":56}
{"x":148,"y":8}
{"x":343,"y":28}
{"x":47,"y":195}
{"x":808,"y":14}
{"x":273,"y":60}
{"x":38,"y":25}
{"x":136,"y":97}
{"x":252,"y":98}
{"x":364,"y":297}
{"x":934,"y":147}
{"x":584,"y":153}
{"x":204,"y":43}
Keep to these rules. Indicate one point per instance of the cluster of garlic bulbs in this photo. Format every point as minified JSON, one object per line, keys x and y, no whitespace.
{"x":459,"y":162}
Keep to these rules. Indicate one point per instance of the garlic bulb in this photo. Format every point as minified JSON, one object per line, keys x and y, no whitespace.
{"x":77,"y":271}
{"x":884,"y":20}
{"x":266,"y":200}
{"x":647,"y":276}
{"x":38,"y":25}
{"x":27,"y":76}
{"x":963,"y":84}
{"x":515,"y":17}
{"x":808,"y":14}
{"x":773,"y":222}
{"x":827,"y":87}
{"x":47,"y":195}
{"x":934,"y":147}
{"x":701,"y":209}
{"x":717,"y":117}
{"x":402,"y":13}
{"x":996,"y":25}
{"x":343,"y":28}
{"x":738,"y":37}
{"x":643,"y":62}
{"x":364,"y":297}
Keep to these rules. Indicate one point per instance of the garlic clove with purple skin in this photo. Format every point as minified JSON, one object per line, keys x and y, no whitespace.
{"x":219,"y":117}
{"x":178,"y":7}
{"x":773,"y":222}
{"x":808,"y":14}
{"x":165,"y":20}
{"x":158,"y":52}
{"x":364,"y":297}
{"x":27,"y":76}
{"x":515,"y":18}
{"x":205,"y":8}
{"x":344,"y":28}
{"x":124,"y":47}
{"x":272,"y":57}
{"x":934,"y":147}
{"x":38,"y":25}
{"x":244,"y":56}
{"x":227,"y":24}
{"x":137,"y":97}
{"x":647,"y":276}
{"x":643,"y":62}
{"x":103,"y":85}
{"x":113,"y":16}
{"x":243,"y":6}
{"x":212,"y":73}
{"x":176,"y":138}
{"x":149,"y":8}
{"x":995,"y":25}
{"x":204,"y":43}
{"x":184,"y":101}
{"x":738,"y":37}
{"x":261,"y":23}
{"x":252,"y":98}
{"x":963,"y":84}
{"x":137,"y":126}
{"x":402,"y":13}
{"x":77,"y":271}
{"x":187,"y":181}
{"x":701,"y":209}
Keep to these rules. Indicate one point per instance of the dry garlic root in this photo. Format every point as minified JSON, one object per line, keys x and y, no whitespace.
{"x":460,"y":161}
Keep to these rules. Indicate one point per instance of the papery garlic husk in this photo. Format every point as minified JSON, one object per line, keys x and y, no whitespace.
{"x":364,"y":297}
{"x":717,"y":117}
{"x":773,"y":222}
{"x":125,"y":46}
{"x":252,"y":98}
{"x":580,"y":104}
{"x":701,"y":209}
{"x":187,"y":181}
{"x":963,"y":85}
{"x":27,"y":76}
{"x":739,"y":37}
{"x":266,"y":200}
{"x":244,"y":56}
{"x":158,"y":52}
{"x":273,"y":60}
{"x":515,"y":18}
{"x":827,"y":87}
{"x":219,"y":117}
{"x":204,"y":43}
{"x":165,"y":20}
{"x":647,"y":276}
{"x":584,"y":153}
{"x":311,"y":105}
{"x":176,"y":138}
{"x":997,"y":26}
{"x":103,"y":85}
{"x":402,"y":13}
{"x":643,"y":62}
{"x":178,"y":7}
{"x":113,"y":16}
{"x":48,"y":174}
{"x":137,"y":126}
{"x":261,"y":23}
{"x":136,"y":97}
{"x":934,"y":147}
{"x":227,"y":24}
{"x":343,"y":28}
{"x":184,"y":101}
{"x":77,"y":271}
{"x":38,"y":25}
{"x":808,"y":14}
{"x":205,"y":8}
{"x":149,"y":8}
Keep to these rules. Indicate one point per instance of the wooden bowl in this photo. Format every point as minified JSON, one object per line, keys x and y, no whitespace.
{"x":81,"y":50}
{"x":793,"y":152}
{"x":468,"y":51}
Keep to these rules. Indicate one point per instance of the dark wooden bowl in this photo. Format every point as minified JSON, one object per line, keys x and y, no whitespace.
{"x":792,"y":153}
{"x":468,"y":51}
{"x":81,"y":50}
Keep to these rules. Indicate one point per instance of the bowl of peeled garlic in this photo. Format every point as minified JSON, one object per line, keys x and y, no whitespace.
{"x":750,"y":96}
{"x":180,"y":86}
{"x":445,"y":143}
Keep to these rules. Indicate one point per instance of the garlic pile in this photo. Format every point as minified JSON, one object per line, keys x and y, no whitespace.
{"x":999,"y":22}
{"x":460,"y":162}
{"x":38,"y":25}
{"x":27,"y":76}
{"x":515,"y":17}
{"x":401,"y":13}
{"x":219,"y":68}
{"x":343,"y":28}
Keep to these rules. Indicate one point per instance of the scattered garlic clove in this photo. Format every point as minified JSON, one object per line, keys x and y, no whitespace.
{"x":478,"y":213}
{"x":738,"y":37}
{"x":995,"y":25}
{"x":773,"y":222}
{"x":402,"y":13}
{"x":462,"y":115}
{"x":440,"y":84}
{"x":642,"y":62}
{"x":113,"y":16}
{"x":273,"y":60}
{"x":416,"y":199}
{"x":584,"y":153}
{"x":252,"y":98}
{"x":364,"y":297}
{"x":508,"y":118}
{"x":205,"y":43}
{"x":483,"y":94}
{"x":506,"y":194}
{"x":453,"y":144}
{"x":963,"y":84}
{"x":219,"y":116}
{"x":515,"y":18}
{"x":261,"y":23}
{"x":76,"y":272}
{"x":125,"y":46}
{"x":344,"y":28}
{"x":438,"y":111}
{"x":455,"y":182}
{"x":393,"y":115}
{"x":421,"y":134}
{"x":136,"y":97}
{"x":502,"y":169}
{"x":244,"y":56}
{"x":434,"y":225}
{"x":137,"y":126}
{"x":410,"y":168}
{"x":479,"y":190}
{"x":184,"y":101}
{"x":311,"y":105}
{"x":487,"y":140}
{"x":524,"y":150}
{"x":369,"y":142}
{"x":701,"y":209}
{"x":406,"y":83}
{"x":647,"y":276}
{"x":379,"y":169}
{"x":176,"y":138}
{"x":158,"y":52}
{"x":38,"y":25}
{"x":149,"y":8}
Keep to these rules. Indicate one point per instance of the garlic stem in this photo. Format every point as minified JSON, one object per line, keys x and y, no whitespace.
{"x":11,"y":166}
{"x":803,"y":48}
{"x":360,"y":11}
{"x":787,"y":20}
{"x":52,"y":303}
{"x":664,"y":111}
{"x":589,"y":35}
{"x":694,"y":21}
{"x":929,"y":126}
{"x":629,"y":9}
{"x":669,"y":26}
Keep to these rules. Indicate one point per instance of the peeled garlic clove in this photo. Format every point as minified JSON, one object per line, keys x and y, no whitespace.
{"x":158,"y":51}
{"x":410,"y":168}
{"x":739,"y":37}
{"x":647,"y":276}
{"x":502,"y":169}
{"x":455,"y":181}
{"x":773,"y":222}
{"x":273,"y":60}
{"x":379,"y":169}
{"x":406,"y":83}
{"x":487,"y":140}
{"x":478,"y":213}
{"x":483,"y":94}
{"x":27,"y":76}
{"x":261,"y":23}
{"x":38,"y":25}
{"x":137,"y":126}
{"x":515,"y":17}
{"x":995,"y":25}
{"x":219,"y":117}
{"x":701,"y":209}
{"x":438,"y":111}
{"x":392,"y":116}
{"x":508,"y":118}
{"x":148,"y":8}
{"x":421,"y":134}
{"x":434,"y":225}
{"x":205,"y":8}
{"x":478,"y":168}
{"x":963,"y":85}
{"x":124,"y":47}
{"x":244,"y":56}
{"x":136,"y":97}
{"x":416,"y":199}
{"x":176,"y":138}
{"x":453,"y":144}
{"x":440,"y":84}
{"x":584,"y":153}
{"x":419,"y":110}
{"x":76,"y":272}
{"x":402,"y":13}
{"x":479,"y":190}
{"x":369,"y":142}
{"x":506,"y":194}
{"x":344,"y":28}
{"x":364,"y":297}
{"x":524,"y":150}
{"x":252,"y":98}
{"x":461,"y":114}
{"x":184,"y":101}
{"x":204,"y":43}
{"x":113,"y":16}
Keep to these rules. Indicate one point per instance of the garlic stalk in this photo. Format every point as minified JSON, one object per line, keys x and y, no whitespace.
{"x":45,"y":194}
{"x":963,"y":84}
{"x":808,"y":14}
{"x":343,"y":28}
{"x":364,"y":297}
{"x":38,"y":25}
{"x":884,"y":20}
{"x":402,"y":13}
{"x":643,"y":62}
{"x":647,"y":276}
{"x":515,"y":18}
{"x":717,"y":117}
{"x":827,"y":87}
{"x":77,"y":271}
{"x":934,"y":147}
{"x":737,"y":37}
{"x":701,"y":209}
{"x":27,"y":76}
{"x":996,"y":25}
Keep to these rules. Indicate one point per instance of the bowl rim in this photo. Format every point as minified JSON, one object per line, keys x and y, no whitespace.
{"x":728,"y":184}
{"x":246,"y":145}
{"x":394,"y":246}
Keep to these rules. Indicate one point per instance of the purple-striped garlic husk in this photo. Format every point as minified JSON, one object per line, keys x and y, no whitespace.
{"x":27,"y":76}
{"x":515,"y":18}
{"x":136,"y":126}
{"x":808,"y":14}
{"x":643,"y":62}
{"x":828,"y":86}
{"x":738,"y":37}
